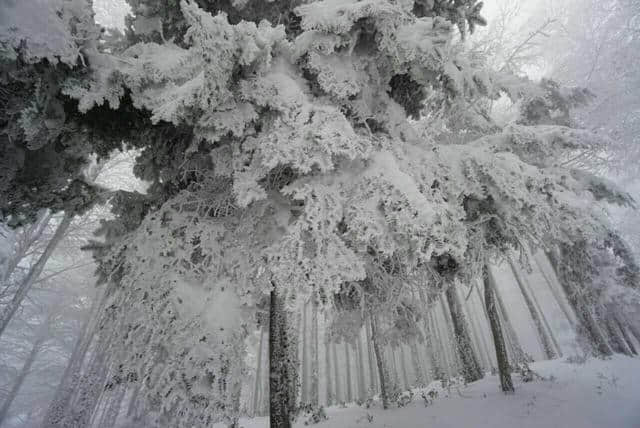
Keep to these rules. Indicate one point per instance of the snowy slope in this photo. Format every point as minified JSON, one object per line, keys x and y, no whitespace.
{"x":597,"y":394}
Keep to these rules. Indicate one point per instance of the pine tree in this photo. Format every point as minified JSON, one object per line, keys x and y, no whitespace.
{"x":277,"y":141}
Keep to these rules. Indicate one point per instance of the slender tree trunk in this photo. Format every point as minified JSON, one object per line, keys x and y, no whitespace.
{"x":583,"y":312}
{"x":625,"y":334}
{"x":434,"y":348}
{"x":24,"y":372}
{"x":304,"y":385}
{"x":71,"y":377}
{"x":512,"y":337}
{"x":34,"y":273}
{"x":280,"y":401}
{"x":112,"y":411}
{"x":475,"y":336}
{"x":394,"y":368}
{"x":557,"y":294}
{"x":256,"y":389}
{"x":616,"y":338}
{"x":403,"y":367}
{"x":417,"y":365}
{"x":447,"y":340}
{"x":545,"y":341}
{"x":383,"y":374}
{"x":34,"y":233}
{"x":347,"y":365}
{"x":315,"y":364}
{"x":371,"y":354}
{"x":543,"y":317}
{"x":327,"y":363}
{"x":336,"y":368}
{"x":501,"y":351}
{"x":470,"y":368}
{"x":362,"y":390}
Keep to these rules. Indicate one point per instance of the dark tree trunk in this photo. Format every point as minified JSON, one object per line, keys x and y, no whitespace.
{"x":314,"y":395}
{"x":501,"y":350}
{"x":383,"y":374}
{"x":280,"y":400}
{"x":327,"y":363}
{"x":372,"y":365}
{"x":582,"y":311}
{"x":471,"y":370}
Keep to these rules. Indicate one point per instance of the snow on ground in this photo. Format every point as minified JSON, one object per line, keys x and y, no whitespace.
{"x":596,"y":394}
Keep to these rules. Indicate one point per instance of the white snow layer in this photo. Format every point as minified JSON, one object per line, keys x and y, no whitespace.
{"x":596,"y":394}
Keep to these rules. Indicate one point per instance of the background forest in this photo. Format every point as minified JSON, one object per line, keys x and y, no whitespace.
{"x":216,"y":211}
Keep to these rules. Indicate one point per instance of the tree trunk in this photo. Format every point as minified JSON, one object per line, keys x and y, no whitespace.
{"x":417,"y":365}
{"x":112,"y":410}
{"x":383,"y":374}
{"x":501,"y":351}
{"x":557,"y":294}
{"x":256,"y":389}
{"x":304,"y":384}
{"x":315,"y":364}
{"x":280,"y":401}
{"x":470,"y":368}
{"x":71,"y":376}
{"x":327,"y":363}
{"x":336,"y":368}
{"x":434,"y":348}
{"x":583,"y":312}
{"x":34,"y":273}
{"x":24,"y":372}
{"x":512,"y":337}
{"x":362,"y":390}
{"x":347,"y":365}
{"x":545,"y":341}
{"x":616,"y":338}
{"x":403,"y":367}
{"x":625,"y":334}
{"x":371,"y":354}
{"x":33,"y":234}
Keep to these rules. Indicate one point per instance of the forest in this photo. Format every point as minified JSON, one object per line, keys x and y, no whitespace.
{"x":339,"y":213}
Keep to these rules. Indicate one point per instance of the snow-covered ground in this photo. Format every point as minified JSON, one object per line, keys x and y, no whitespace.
{"x":596,"y":394}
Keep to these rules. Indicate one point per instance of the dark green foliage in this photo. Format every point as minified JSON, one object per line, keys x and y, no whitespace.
{"x":408,"y":93}
{"x":464,"y":13}
{"x":554,"y":105}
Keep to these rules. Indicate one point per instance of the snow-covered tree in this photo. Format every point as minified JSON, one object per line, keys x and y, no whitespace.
{"x":284,"y":160}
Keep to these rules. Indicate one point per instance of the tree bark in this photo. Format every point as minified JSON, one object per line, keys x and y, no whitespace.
{"x":382,"y":371}
{"x":501,"y":351}
{"x":545,"y":341}
{"x":403,"y":367}
{"x":625,"y":335}
{"x":71,"y":376}
{"x":315,"y":364}
{"x":470,"y":368}
{"x":24,"y":372}
{"x":347,"y":365}
{"x":371,"y":354}
{"x":34,"y":273}
{"x":327,"y":363}
{"x":256,"y":389}
{"x":418,"y":377}
{"x":304,"y":384}
{"x":336,"y":369}
{"x":362,"y":390}
{"x":583,"y":312}
{"x":280,"y":401}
